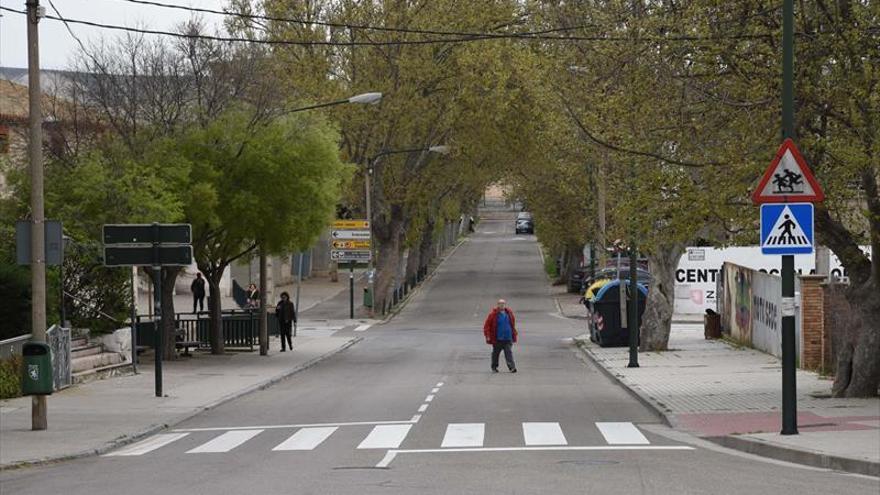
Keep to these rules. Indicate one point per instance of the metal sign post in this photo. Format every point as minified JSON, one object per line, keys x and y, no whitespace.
{"x":155,"y":245}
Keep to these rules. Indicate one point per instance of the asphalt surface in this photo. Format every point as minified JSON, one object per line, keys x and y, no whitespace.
{"x":414,"y":409}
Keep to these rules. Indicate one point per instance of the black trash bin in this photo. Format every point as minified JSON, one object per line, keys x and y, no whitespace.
{"x":605,"y":327}
{"x":36,"y":373}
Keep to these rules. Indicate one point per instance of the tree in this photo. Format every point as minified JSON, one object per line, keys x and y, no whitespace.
{"x":273,"y":183}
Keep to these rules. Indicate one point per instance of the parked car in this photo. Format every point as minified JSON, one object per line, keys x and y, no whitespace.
{"x":576,"y":279}
{"x":524,"y":223}
{"x":643,"y":276}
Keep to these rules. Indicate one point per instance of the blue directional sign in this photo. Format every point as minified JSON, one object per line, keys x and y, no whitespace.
{"x":787,"y":228}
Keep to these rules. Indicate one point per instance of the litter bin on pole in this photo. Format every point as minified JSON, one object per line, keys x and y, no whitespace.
{"x":36,"y":376}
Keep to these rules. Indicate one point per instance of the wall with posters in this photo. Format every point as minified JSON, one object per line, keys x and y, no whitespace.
{"x":700,"y":267}
{"x":749,"y":305}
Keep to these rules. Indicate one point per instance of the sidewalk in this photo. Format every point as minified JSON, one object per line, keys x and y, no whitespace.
{"x":96,"y":417}
{"x":733,"y":396}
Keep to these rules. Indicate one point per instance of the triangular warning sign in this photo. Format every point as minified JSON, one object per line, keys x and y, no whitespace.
{"x":787,"y":232}
{"x":788,"y":179}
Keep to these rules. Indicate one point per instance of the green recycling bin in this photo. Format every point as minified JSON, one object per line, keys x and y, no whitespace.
{"x":368,"y":297}
{"x":36,"y":373}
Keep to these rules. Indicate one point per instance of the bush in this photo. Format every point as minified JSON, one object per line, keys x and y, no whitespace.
{"x":15,"y":294}
{"x":10,"y":377}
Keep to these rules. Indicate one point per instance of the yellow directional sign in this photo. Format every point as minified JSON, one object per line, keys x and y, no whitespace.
{"x":351,"y":244}
{"x":351,"y":224}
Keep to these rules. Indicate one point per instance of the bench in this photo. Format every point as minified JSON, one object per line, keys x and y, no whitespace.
{"x":180,"y":343}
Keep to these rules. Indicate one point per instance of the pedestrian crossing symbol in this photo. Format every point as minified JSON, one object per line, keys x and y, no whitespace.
{"x":787,"y":228}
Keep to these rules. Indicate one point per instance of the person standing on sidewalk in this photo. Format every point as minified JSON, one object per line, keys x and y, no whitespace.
{"x":198,"y":290}
{"x":253,"y":297}
{"x":500,"y":332}
{"x":286,"y":314}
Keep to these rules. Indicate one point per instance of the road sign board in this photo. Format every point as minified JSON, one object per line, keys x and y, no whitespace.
{"x":787,"y":228}
{"x":348,"y":255}
{"x":169,"y":233}
{"x":350,"y":244}
{"x":351,"y":224}
{"x":143,"y":255}
{"x":350,"y":234}
{"x":788,"y":179}
{"x":53,"y":249}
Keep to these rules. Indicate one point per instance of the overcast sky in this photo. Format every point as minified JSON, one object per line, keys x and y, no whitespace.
{"x":57,"y":47}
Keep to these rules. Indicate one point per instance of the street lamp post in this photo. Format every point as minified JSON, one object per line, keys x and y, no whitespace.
{"x":362,"y":99}
{"x":371,"y":162}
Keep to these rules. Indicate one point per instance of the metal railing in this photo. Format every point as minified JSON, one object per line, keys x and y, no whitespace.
{"x":241,"y":328}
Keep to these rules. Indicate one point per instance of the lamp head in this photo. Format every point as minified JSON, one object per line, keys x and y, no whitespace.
{"x":366,"y":98}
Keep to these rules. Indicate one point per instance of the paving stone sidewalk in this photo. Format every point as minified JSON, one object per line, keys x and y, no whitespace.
{"x":98,"y":416}
{"x":733,"y":395}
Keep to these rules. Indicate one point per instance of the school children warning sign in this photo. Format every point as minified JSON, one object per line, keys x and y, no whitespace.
{"x":788,"y":179}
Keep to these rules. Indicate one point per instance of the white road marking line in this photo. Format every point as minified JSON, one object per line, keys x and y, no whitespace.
{"x":543,"y":434}
{"x":361,"y":328}
{"x":225,"y":442}
{"x":148,"y":445}
{"x":429,"y":398}
{"x":423,"y":408}
{"x":306,"y":438}
{"x":385,"y":437}
{"x":304,"y":425}
{"x":416,"y":418}
{"x":435,"y":390}
{"x":622,"y":433}
{"x":464,"y":435}
{"x":439,"y":384}
{"x":391,"y":454}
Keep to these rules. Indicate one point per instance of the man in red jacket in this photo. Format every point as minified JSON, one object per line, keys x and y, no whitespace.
{"x":500,"y":332}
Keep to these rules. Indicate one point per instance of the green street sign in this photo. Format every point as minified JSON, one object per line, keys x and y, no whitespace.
{"x":143,"y":256}
{"x":168,"y":233}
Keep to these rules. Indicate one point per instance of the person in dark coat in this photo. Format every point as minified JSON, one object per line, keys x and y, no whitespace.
{"x":253,"y":297}
{"x":198,"y":290}
{"x":286,"y":314}
{"x":500,"y":332}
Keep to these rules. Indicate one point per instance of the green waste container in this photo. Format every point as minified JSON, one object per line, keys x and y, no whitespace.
{"x":368,"y":297}
{"x":36,"y":376}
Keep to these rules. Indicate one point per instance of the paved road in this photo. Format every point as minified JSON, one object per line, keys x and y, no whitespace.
{"x":414,"y":409}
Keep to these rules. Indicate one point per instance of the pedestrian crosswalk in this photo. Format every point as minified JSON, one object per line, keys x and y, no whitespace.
{"x":381,"y":436}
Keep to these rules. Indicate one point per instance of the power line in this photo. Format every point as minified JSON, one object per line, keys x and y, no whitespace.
{"x":365,"y":27}
{"x":463,"y":39}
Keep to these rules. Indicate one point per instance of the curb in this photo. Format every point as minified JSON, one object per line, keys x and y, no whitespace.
{"x":807,"y":457}
{"x":639,"y":396}
{"x":734,"y":442}
{"x":125,"y":440}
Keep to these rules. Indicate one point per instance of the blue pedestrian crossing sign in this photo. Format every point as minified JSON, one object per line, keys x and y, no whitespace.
{"x":787,"y":228}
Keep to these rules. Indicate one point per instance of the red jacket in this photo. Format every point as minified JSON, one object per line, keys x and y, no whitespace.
{"x":491,"y":325}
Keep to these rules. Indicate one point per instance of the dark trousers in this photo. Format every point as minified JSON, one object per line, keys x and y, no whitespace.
{"x":286,"y":331}
{"x":198,"y":302}
{"x":507,"y":347}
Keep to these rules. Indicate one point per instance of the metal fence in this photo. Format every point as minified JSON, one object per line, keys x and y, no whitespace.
{"x":241,"y":328}
{"x":58,"y":340}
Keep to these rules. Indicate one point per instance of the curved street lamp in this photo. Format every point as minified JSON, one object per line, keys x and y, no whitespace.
{"x":441,"y":149}
{"x":362,"y":99}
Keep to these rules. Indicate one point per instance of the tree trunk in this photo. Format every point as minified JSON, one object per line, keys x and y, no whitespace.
{"x":858,"y":366}
{"x":426,"y":246}
{"x":659,"y":308}
{"x":169,"y":326}
{"x":413,"y":262}
{"x":215,"y":305}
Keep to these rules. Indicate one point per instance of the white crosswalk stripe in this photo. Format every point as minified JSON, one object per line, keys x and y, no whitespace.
{"x":389,"y":436}
{"x":543,"y":434}
{"x":622,"y":433}
{"x":148,"y":445}
{"x":464,"y":435}
{"x":385,"y":437}
{"x":306,"y":438}
{"x":225,"y":442}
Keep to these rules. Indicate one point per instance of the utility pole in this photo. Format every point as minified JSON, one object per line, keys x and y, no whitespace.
{"x":789,"y":384}
{"x":39,"y":420}
{"x":264,"y":311}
